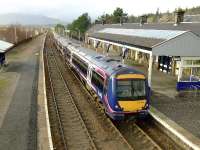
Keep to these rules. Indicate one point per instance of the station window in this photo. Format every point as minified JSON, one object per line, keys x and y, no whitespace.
{"x":187,"y":62}
{"x":191,"y":62}
{"x":97,"y":80}
{"x":82,"y":66}
{"x":196,"y":62}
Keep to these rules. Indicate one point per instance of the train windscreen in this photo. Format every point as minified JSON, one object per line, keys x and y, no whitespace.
{"x":131,"y":89}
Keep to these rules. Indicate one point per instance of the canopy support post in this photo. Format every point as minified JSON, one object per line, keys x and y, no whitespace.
{"x":150,"y":69}
{"x":136,"y":55}
{"x":180,"y":70}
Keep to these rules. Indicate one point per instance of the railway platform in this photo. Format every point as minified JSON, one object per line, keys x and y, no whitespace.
{"x":176,"y":112}
{"x":44,"y":137}
{"x":18,"y":96}
{"x":179,"y":115}
{"x":181,"y":107}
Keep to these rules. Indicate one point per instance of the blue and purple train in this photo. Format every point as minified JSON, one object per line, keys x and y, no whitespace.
{"x":121,"y":89}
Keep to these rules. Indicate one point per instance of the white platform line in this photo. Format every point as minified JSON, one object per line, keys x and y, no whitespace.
{"x":45,"y":103}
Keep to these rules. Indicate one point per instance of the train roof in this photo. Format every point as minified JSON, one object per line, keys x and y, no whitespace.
{"x":110,"y":65}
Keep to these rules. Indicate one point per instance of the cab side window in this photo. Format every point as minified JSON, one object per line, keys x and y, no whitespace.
{"x":105,"y":87}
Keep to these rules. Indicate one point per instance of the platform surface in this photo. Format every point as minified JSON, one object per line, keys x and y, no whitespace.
{"x":182,"y":110}
{"x":44,"y":139}
{"x":181,"y":107}
{"x":18,"y":96}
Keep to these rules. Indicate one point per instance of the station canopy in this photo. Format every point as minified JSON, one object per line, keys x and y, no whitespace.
{"x":159,"y":42}
{"x":4,"y":46}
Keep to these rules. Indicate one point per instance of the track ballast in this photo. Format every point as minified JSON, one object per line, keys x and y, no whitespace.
{"x":75,"y":122}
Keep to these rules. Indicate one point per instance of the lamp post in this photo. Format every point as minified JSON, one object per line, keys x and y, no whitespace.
{"x":67,"y":33}
{"x":26,"y":30}
{"x":15,"y":34}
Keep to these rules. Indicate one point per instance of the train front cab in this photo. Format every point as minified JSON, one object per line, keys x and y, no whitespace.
{"x":128,"y":96}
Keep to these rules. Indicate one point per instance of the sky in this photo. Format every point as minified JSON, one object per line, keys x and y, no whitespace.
{"x":68,"y":10}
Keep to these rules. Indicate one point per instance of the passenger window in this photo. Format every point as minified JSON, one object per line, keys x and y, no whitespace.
{"x":81,"y":65}
{"x":97,"y":80}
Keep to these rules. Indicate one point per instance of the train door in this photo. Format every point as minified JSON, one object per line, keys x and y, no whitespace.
{"x":70,"y":57}
{"x":89,"y":74}
{"x":105,"y":89}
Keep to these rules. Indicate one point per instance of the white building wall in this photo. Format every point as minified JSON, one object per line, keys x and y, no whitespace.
{"x":187,"y":44}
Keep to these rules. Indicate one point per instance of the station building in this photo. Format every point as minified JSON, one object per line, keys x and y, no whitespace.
{"x":172,"y":48}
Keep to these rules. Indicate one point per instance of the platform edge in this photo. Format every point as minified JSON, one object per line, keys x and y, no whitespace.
{"x":183,"y":137}
{"x":44,"y":98}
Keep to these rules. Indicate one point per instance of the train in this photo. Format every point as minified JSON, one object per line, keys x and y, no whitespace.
{"x":122,"y":90}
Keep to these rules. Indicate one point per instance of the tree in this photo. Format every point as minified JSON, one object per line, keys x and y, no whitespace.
{"x":152,"y":18}
{"x":60,"y":29}
{"x":119,"y":15}
{"x":105,"y":19}
{"x":133,"y":19}
{"x":80,"y":25}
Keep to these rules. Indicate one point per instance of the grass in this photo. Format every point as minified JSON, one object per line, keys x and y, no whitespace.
{"x":3,"y":83}
{"x":13,"y":54}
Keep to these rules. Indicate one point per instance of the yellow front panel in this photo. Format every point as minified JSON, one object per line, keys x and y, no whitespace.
{"x":130,"y":76}
{"x":132,"y":105}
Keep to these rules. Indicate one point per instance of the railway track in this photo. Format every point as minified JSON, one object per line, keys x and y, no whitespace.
{"x":76,"y":128}
{"x":137,"y":137}
{"x":103,"y":133}
{"x":155,"y":131}
{"x":72,"y":129}
{"x":146,"y":134}
{"x":140,"y":136}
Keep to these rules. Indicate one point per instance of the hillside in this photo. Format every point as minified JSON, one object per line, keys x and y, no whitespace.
{"x":27,"y":19}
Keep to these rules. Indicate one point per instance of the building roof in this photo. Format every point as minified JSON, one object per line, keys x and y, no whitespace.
{"x":141,"y":38}
{"x":185,"y":26}
{"x":150,"y":36}
{"x":4,"y":46}
{"x":145,"y":33}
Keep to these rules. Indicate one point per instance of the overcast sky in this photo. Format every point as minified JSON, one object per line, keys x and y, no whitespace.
{"x":68,"y":10}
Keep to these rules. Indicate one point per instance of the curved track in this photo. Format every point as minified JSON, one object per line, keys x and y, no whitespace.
{"x":137,"y":137}
{"x":75,"y":112}
{"x":73,"y":131}
{"x":74,"y":122}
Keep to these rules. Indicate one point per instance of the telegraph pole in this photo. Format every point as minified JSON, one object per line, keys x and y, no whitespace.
{"x":15,"y":34}
{"x":26,"y":33}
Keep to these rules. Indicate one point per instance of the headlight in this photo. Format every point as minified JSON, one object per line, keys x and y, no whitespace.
{"x":116,"y":106}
